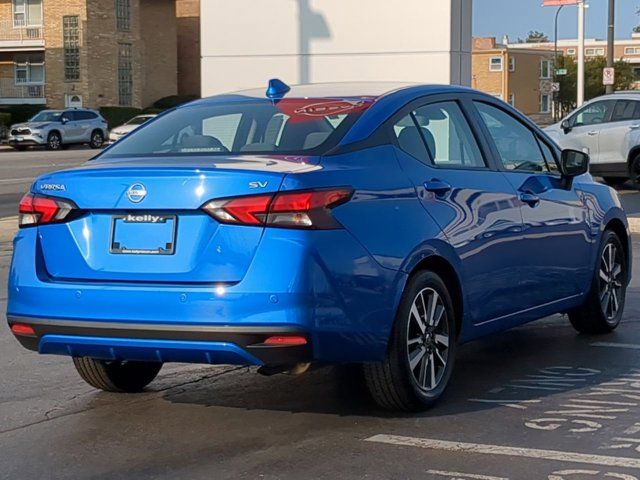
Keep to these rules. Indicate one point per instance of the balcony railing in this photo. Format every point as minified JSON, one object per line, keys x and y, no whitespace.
{"x":27,"y":91}
{"x":19,"y":35}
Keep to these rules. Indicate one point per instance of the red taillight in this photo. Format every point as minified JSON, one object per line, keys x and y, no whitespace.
{"x":39,"y":210}
{"x":297,"y":209}
{"x":22,"y":329}
{"x":286,"y":341}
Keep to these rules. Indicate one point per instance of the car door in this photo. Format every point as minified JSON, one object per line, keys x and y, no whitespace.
{"x":585,"y":126}
{"x":71,"y":130}
{"x":613,"y":143}
{"x":557,"y":237}
{"x":474,"y":205}
{"x":85,"y":126}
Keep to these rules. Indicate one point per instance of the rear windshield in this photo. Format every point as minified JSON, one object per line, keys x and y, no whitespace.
{"x":285,"y":127}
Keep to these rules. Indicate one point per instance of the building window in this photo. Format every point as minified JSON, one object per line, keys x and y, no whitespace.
{"x":636,"y":74}
{"x":512,"y":99}
{"x":495,"y":64}
{"x":512,"y":64}
{"x":594,"y":52}
{"x":27,"y":13}
{"x":29,"y":69}
{"x":545,"y":69}
{"x":545,"y":103}
{"x":571,"y":51}
{"x":71,"y":45}
{"x":631,"y":50}
{"x":125,"y":75}
{"x":123,"y":15}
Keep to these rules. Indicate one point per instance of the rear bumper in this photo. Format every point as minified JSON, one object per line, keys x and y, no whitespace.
{"x":161,"y":342}
{"x":298,"y":281}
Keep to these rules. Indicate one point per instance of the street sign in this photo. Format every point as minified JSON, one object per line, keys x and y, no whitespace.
{"x":555,"y":87}
{"x":561,"y":72}
{"x":558,"y":3}
{"x":609,"y":76}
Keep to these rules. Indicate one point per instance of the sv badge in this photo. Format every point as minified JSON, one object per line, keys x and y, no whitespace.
{"x":258,"y":184}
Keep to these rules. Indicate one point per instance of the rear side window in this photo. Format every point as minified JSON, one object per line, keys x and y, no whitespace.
{"x":440,"y":133}
{"x":625,"y":110}
{"x":517,"y":145}
{"x":83,"y":115}
{"x":295,"y":126}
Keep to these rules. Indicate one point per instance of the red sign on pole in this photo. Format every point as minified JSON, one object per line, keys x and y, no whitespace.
{"x":557,"y":3}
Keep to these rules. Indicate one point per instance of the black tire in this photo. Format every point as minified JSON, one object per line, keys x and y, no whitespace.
{"x":97,"y":139}
{"x":614,"y":181}
{"x":54,"y":141}
{"x":393,"y":384}
{"x":634,"y":171}
{"x":116,"y":376}
{"x":597,"y":315}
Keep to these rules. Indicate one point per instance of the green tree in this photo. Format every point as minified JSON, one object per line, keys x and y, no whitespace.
{"x":535,"y":36}
{"x":593,"y":87}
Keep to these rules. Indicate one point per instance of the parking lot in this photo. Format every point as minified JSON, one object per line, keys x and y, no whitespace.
{"x":537,"y":402}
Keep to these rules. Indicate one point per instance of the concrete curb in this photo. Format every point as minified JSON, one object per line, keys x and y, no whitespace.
{"x":634,"y":224}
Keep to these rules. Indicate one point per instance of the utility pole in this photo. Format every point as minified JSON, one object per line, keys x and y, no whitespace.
{"x":581,"y":13}
{"x":555,"y":63}
{"x":611,"y":38}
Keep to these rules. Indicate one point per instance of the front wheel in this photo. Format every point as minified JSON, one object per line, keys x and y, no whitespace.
{"x":54,"y":141}
{"x":634,"y":171}
{"x":604,"y":305}
{"x":421,"y":351}
{"x":116,"y":376}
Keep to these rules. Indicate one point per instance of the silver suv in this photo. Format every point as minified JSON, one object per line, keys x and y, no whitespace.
{"x":55,"y":129}
{"x":608,"y":129}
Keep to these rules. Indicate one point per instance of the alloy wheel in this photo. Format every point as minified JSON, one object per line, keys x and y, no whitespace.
{"x":611,"y":278}
{"x":97,"y":140}
{"x":54,"y":142}
{"x":428,"y":339}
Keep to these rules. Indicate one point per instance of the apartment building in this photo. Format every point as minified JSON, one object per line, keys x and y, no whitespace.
{"x":624,"y":49}
{"x":90,"y":53}
{"x":521,"y":77}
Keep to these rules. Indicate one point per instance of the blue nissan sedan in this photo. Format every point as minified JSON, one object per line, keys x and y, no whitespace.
{"x":382,"y":224}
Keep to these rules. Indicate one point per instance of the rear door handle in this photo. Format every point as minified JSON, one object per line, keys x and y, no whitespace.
{"x":530,"y":199}
{"x":634,"y":127}
{"x":437,"y":186}
{"x":592,"y":133}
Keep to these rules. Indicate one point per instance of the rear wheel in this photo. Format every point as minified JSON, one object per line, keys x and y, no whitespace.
{"x":634,"y":171}
{"x":97,"y":139}
{"x":421,"y":352}
{"x":604,"y":305}
{"x":54,"y":141}
{"x":116,"y":376}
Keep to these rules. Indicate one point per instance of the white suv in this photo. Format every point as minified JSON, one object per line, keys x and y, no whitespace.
{"x":608,"y":129}
{"x":56,"y":129}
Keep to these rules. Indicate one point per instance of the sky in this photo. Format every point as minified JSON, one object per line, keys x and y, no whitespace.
{"x":516,"y":18}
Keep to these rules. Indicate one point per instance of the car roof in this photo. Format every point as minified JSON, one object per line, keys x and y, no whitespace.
{"x":622,"y":95}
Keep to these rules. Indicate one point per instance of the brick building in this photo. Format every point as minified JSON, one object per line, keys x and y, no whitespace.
{"x":521,"y":76}
{"x":627,"y":49}
{"x":87,"y":52}
{"x":188,"y":15}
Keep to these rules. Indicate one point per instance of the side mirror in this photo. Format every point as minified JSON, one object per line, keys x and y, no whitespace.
{"x":566,"y":126}
{"x":573,"y":163}
{"x":64,"y":120}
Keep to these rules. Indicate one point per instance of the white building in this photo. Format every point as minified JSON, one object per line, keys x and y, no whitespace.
{"x":246,"y":42}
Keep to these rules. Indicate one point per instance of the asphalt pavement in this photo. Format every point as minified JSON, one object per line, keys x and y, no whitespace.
{"x":537,"y":402}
